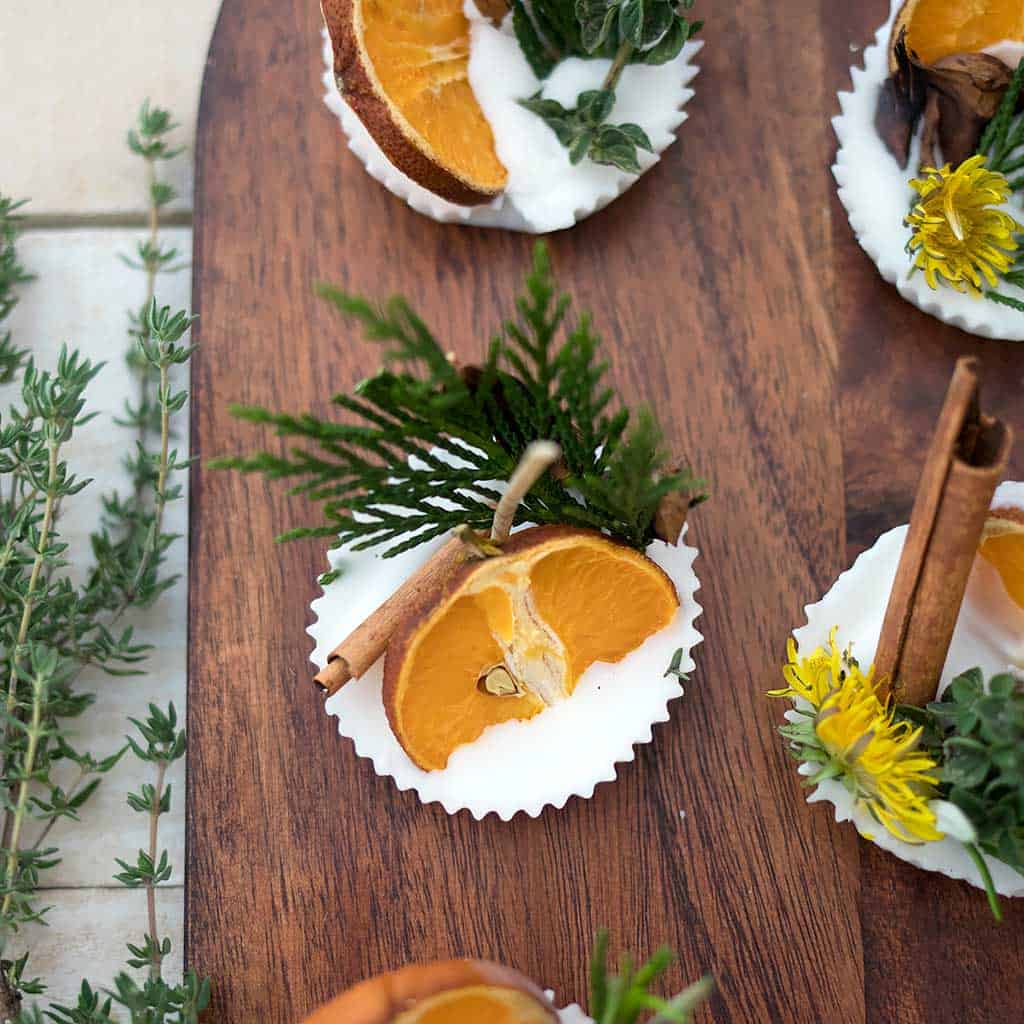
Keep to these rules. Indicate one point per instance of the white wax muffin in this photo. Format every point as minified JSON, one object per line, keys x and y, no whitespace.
{"x":989,"y":635}
{"x":520,"y":766}
{"x":545,"y":192}
{"x":874,"y":190}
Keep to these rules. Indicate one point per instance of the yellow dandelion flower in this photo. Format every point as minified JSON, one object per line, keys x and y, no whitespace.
{"x":879,"y":761}
{"x":958,"y":235}
{"x":813,"y":678}
{"x":854,"y":737}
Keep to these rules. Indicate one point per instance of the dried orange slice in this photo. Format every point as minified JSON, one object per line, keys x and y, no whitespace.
{"x":1003,"y":545}
{"x":512,"y":635}
{"x":940,"y":28}
{"x":450,"y":992}
{"x":403,"y":68}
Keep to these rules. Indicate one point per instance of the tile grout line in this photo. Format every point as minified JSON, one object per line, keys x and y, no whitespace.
{"x":99,"y":221}
{"x":109,"y":887}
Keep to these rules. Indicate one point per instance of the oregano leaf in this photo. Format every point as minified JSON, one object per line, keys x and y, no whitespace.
{"x":594,"y":106}
{"x":595,"y":19}
{"x":671,"y":43}
{"x":636,"y":135}
{"x":632,"y":15}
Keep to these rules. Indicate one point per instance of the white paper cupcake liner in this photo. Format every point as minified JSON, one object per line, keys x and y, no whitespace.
{"x":595,"y":186}
{"x":989,"y":634}
{"x":571,"y":1014}
{"x":514,"y":767}
{"x":873,"y":188}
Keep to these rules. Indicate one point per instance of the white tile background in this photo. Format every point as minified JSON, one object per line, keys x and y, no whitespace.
{"x":72,"y":76}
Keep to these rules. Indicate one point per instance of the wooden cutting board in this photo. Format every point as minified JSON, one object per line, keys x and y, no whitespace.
{"x":734,"y":298}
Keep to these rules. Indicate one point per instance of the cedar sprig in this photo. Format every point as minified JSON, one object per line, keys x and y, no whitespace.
{"x":625,"y":31}
{"x":431,"y":438}
{"x":623,"y":997}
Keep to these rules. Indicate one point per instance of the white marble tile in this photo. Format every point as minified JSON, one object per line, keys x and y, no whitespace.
{"x":81,"y":296}
{"x":85,"y":938}
{"x":72,"y":77}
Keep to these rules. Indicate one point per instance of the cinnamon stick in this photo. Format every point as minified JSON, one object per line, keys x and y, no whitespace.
{"x":965,"y":462}
{"x":367,"y":642}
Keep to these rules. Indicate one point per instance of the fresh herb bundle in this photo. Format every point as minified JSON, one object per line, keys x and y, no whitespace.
{"x":434,"y":437}
{"x":976,"y":733}
{"x":625,"y":31}
{"x":622,"y":997}
{"x":52,"y":628}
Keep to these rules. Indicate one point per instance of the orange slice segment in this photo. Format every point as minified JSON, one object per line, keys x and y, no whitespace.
{"x":940,"y":28}
{"x":446,"y":992}
{"x":403,"y":67}
{"x":514,"y":634}
{"x":476,"y":1005}
{"x":1003,"y":545}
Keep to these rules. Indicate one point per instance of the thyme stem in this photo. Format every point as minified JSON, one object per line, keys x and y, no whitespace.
{"x":156,"y":965}
{"x":160,"y":499}
{"x":53,"y":447}
{"x":28,"y":767}
{"x":151,"y":269}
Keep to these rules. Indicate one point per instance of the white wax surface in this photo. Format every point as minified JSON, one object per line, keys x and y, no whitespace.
{"x":544,"y":187}
{"x":517,"y":766}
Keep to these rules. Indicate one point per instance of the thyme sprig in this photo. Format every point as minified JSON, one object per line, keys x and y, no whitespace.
{"x":625,"y":31}
{"x":431,"y":437}
{"x":52,"y":628}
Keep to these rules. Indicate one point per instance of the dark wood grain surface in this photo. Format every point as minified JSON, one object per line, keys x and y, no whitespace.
{"x":734,"y":298}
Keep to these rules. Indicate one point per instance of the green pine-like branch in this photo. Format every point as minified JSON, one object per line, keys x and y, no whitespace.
{"x":624,"y":996}
{"x":426,"y":443}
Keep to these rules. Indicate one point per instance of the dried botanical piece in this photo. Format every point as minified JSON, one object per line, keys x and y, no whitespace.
{"x":1003,"y":546}
{"x":966,"y":461}
{"x":554,"y":601}
{"x":453,"y":991}
{"x":403,"y":68}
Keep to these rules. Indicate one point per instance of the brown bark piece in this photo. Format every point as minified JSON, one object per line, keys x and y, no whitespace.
{"x":968,"y":455}
{"x":368,"y":641}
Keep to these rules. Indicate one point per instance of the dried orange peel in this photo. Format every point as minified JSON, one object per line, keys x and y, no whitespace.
{"x":1002,"y":545}
{"x":403,"y":68}
{"x":513,"y":634}
{"x":941,"y":28}
{"x":449,"y":992}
